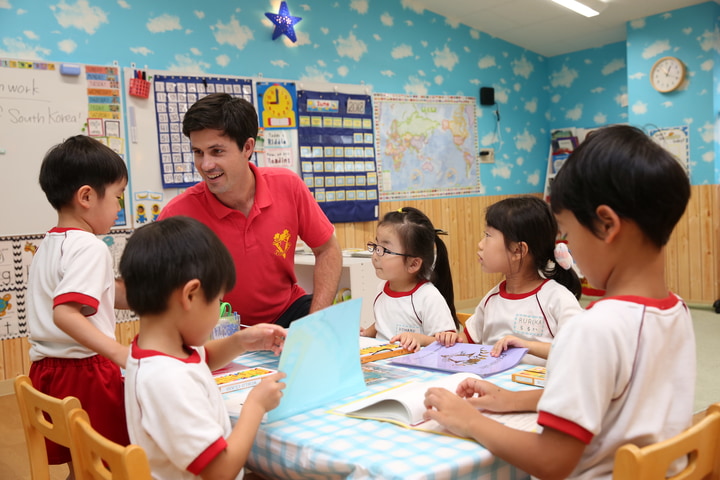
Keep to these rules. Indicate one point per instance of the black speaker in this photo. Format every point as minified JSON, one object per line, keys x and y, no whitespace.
{"x":487,"y":96}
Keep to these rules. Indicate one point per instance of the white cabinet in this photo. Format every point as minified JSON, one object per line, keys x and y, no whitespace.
{"x":358,"y":274}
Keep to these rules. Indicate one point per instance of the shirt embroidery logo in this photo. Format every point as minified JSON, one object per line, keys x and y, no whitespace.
{"x":282,"y":243}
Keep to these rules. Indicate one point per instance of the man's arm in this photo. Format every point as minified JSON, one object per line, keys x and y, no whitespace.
{"x":326,"y":274}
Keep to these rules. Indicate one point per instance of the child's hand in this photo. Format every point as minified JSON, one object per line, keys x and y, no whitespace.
{"x":506,"y":342}
{"x":263,"y":336}
{"x":268,"y":392}
{"x":447,"y":339}
{"x":484,"y":395}
{"x":451,"y":411}
{"x":409,"y":341}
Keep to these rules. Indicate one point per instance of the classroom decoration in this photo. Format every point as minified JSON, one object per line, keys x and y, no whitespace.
{"x":276,"y":144}
{"x":337,"y":154}
{"x":675,"y":140}
{"x":284,"y":22}
{"x":174,"y":94}
{"x":426,"y":146}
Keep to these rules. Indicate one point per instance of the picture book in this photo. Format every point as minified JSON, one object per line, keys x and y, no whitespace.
{"x":375,"y":373}
{"x":531,"y":376}
{"x":462,"y":357}
{"x":403,"y":405}
{"x":379,"y":352}
{"x":235,"y":376}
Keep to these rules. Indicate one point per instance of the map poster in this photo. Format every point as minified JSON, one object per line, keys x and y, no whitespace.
{"x":426,"y":146}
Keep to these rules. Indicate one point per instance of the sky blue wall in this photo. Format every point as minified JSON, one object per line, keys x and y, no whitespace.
{"x":393,"y":48}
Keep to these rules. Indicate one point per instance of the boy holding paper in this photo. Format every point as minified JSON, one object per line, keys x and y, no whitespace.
{"x":175,"y":272}
{"x":618,"y":198}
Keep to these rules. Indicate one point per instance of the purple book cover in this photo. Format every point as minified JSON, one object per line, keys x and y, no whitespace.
{"x":462,"y":357}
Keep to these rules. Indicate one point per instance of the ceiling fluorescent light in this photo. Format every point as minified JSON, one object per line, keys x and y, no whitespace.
{"x":578,"y":7}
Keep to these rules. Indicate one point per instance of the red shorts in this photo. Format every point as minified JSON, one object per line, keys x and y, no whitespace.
{"x":97,"y":383}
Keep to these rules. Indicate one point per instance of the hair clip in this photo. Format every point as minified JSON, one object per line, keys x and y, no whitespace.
{"x":439,"y":231}
{"x":400,"y":210}
{"x":562,"y":256}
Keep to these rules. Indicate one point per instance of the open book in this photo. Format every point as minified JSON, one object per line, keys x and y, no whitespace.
{"x":462,"y":357}
{"x":404,"y":405}
{"x":235,"y":376}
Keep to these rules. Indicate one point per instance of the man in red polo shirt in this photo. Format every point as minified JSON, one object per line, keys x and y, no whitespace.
{"x":258,"y":213}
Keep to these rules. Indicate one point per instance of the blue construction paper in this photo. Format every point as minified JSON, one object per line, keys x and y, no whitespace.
{"x":321,"y":358}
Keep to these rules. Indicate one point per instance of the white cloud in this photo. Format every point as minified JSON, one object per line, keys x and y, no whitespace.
{"x":360,"y":6}
{"x":488,"y":139}
{"x":687,"y":121}
{"x":520,"y":161}
{"x":445,"y":58}
{"x":67,"y":46}
{"x":401,"y":51}
{"x":16,"y":48}
{"x":325,"y":30}
{"x":639,"y":108}
{"x":144,"y":51}
{"x":613,"y":66}
{"x":564,"y":78}
{"x":486,"y":62}
{"x":199,"y":14}
{"x":164,"y":23}
{"x":416,"y":86}
{"x":522,"y":67}
{"x":322,"y":63}
{"x":343,"y":71}
{"x":439,"y":79}
{"x":667,"y":104}
{"x":575,"y":113}
{"x":556,"y":98}
{"x":597,"y":90}
{"x":710,"y":40}
{"x":305,"y":7}
{"x":637,"y":24}
{"x":501,"y":95}
{"x":377,"y":37}
{"x":5,"y":4}
{"x":350,"y":47}
{"x":531,"y":106}
{"x":707,"y":132}
{"x":707,"y":65}
{"x":222,"y":60}
{"x":387,"y":73}
{"x":412,"y":5}
{"x":30,"y":34}
{"x":303,"y":38}
{"x":314,"y":74}
{"x":638,"y":76}
{"x":232,"y":33}
{"x":687,"y":30}
{"x":387,"y":19}
{"x":452,"y":22}
{"x":188,"y":65}
{"x":474,"y":34}
{"x":123,"y":4}
{"x":525,"y":141}
{"x":409,"y":23}
{"x":656,"y":48}
{"x":534,"y":178}
{"x":195,"y":51}
{"x":708,"y":157}
{"x":21,"y":11}
{"x":502,"y":170}
{"x":600,"y":119}
{"x":81,"y":16}
{"x":279,"y":63}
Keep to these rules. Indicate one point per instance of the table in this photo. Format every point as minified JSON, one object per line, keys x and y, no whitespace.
{"x":321,"y":445}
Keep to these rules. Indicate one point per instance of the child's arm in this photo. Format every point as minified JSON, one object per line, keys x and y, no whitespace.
{"x":262,"y":398}
{"x":548,"y":455}
{"x":412,"y":341}
{"x":120,"y":296}
{"x":484,"y":395}
{"x":69,"y":318}
{"x":370,"y":331}
{"x":539,"y":349}
{"x":264,"y":336}
{"x":449,"y":338}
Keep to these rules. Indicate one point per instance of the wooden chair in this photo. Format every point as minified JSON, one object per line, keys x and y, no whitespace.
{"x":700,"y":443}
{"x":98,"y":458}
{"x":43,"y":416}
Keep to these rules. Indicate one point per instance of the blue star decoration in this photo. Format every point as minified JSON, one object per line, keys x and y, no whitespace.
{"x":284,"y":22}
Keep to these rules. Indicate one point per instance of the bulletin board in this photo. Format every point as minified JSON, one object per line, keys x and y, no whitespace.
{"x":39,"y":108}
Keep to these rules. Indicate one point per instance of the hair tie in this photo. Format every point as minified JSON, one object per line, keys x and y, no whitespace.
{"x":400,"y":210}
{"x":562,"y":256}
{"x":440,"y":232}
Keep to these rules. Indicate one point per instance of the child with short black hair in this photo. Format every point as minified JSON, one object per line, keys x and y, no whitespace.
{"x":71,"y":297}
{"x":539,"y":292}
{"x":415,"y":305}
{"x":176,"y":271}
{"x":623,"y":371}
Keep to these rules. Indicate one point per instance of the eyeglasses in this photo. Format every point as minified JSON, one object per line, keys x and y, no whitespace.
{"x":381,"y":251}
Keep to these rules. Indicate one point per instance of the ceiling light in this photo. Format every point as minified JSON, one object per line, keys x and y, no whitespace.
{"x":582,"y":8}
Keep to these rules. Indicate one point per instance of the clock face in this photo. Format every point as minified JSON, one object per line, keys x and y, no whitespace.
{"x":667,"y":74}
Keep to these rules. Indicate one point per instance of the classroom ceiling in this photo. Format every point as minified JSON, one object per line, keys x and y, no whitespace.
{"x":547,"y":28}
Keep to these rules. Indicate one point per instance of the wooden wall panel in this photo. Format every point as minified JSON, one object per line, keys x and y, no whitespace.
{"x":692,"y":270}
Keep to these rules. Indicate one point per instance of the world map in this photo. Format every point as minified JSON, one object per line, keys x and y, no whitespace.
{"x":426,"y":146}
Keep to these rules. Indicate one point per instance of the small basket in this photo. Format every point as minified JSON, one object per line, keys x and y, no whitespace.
{"x":139,"y":88}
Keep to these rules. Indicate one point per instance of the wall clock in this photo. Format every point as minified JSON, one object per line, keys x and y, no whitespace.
{"x":667,"y":74}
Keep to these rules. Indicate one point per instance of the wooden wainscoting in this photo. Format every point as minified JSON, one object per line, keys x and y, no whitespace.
{"x":693,"y":258}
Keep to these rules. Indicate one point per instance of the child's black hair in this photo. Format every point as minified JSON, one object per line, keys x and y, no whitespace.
{"x":529,"y":219}
{"x":419,"y":238}
{"x":78,"y":161}
{"x":234,"y":116}
{"x":622,"y":167}
{"x":162,"y":256}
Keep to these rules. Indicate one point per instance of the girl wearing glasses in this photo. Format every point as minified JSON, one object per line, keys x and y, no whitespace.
{"x":415,"y":304}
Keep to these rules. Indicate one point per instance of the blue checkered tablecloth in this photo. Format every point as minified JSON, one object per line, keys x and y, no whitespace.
{"x":321,"y":445}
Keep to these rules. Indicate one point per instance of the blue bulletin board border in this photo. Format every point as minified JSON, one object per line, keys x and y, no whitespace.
{"x":337,"y":154}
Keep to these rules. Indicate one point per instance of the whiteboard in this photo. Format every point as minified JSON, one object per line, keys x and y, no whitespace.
{"x":39,"y":108}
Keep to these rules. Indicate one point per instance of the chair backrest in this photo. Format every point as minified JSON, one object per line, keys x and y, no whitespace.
{"x":463,"y":318}
{"x":95,"y":457}
{"x":700,"y":443}
{"x":43,"y":416}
